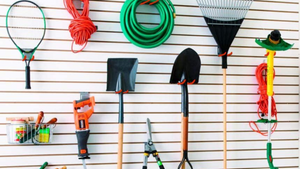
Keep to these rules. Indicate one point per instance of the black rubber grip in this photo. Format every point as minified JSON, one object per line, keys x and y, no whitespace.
{"x":144,"y":167}
{"x":224,"y":62}
{"x":82,"y":138}
{"x":161,"y":167}
{"x":27,"y":76}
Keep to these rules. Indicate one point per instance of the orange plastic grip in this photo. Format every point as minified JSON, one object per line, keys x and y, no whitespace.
{"x":39,"y":119}
{"x":81,"y":118}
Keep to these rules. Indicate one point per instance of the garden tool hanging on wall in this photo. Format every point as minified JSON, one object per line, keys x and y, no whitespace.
{"x":273,"y":43}
{"x":81,"y":120}
{"x":121,"y":75}
{"x":150,"y":149}
{"x":224,"y":19}
{"x":185,"y":72}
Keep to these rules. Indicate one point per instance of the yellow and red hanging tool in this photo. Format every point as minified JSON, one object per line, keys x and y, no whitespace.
{"x":273,"y":43}
{"x":82,"y":124}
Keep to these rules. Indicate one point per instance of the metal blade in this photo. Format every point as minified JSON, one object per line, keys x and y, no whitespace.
{"x":121,"y":74}
{"x":149,"y":132}
{"x":187,"y":64}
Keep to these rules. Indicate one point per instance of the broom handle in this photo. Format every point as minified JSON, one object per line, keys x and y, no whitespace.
{"x":224,"y":120}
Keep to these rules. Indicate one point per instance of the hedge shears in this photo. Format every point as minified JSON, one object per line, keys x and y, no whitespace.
{"x":150,"y":149}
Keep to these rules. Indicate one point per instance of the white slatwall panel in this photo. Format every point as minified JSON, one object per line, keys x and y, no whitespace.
{"x":58,"y":76}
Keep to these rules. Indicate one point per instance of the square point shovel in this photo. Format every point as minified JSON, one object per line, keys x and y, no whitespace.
{"x":186,"y":70}
{"x":121,"y":75}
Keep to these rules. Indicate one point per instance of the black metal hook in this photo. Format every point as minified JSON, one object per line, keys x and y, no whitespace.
{"x":185,"y":158}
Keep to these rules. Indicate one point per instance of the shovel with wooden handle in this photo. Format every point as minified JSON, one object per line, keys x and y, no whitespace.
{"x":186,"y":70}
{"x":121,"y":75}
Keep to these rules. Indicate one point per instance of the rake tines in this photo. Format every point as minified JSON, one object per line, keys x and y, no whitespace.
{"x":225,"y":10}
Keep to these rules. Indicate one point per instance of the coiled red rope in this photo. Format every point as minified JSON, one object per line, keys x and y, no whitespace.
{"x":81,"y":27}
{"x":263,"y":100}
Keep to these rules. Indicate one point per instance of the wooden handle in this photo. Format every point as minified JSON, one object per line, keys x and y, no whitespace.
{"x":224,"y":121}
{"x":52,"y":121}
{"x":120,"y":144}
{"x":183,"y":128}
{"x":39,"y":119}
{"x":185,"y":132}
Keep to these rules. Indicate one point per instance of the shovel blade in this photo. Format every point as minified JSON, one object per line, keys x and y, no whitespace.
{"x":187,"y":65}
{"x":121,"y":74}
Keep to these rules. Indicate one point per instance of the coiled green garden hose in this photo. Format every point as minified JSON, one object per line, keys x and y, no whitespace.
{"x":147,"y":37}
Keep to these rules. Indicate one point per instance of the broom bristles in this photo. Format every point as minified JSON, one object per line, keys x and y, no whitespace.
{"x":225,"y":10}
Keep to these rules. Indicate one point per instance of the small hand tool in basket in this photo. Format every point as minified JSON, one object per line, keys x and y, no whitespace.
{"x":40,"y":130}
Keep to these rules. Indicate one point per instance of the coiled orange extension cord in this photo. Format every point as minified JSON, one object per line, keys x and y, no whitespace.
{"x":263,"y":100}
{"x":81,"y":27}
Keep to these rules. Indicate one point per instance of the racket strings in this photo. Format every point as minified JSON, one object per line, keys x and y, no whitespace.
{"x":19,"y":27}
{"x":22,"y":38}
{"x":81,"y":27}
{"x":26,"y":30}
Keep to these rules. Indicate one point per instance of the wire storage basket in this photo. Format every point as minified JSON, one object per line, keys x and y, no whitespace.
{"x":29,"y":133}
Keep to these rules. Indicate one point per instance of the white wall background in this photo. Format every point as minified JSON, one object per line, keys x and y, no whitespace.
{"x":58,"y":76}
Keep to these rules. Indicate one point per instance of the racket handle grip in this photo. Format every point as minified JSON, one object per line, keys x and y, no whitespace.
{"x":27,"y":76}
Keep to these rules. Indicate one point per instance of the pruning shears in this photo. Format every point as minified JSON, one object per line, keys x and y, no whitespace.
{"x":150,"y":148}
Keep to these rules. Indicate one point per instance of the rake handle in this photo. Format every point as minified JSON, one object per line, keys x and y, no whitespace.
{"x":224,"y":121}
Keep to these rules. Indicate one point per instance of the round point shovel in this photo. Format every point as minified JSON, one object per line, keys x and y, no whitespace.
{"x":185,"y":72}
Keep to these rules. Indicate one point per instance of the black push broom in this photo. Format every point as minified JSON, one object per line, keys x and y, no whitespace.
{"x":224,"y":19}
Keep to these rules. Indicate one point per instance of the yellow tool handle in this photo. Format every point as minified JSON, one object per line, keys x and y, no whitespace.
{"x":270,"y":74}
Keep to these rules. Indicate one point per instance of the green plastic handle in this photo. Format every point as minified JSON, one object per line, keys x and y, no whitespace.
{"x":269,"y":156}
{"x":266,"y":121}
{"x":44,"y":165}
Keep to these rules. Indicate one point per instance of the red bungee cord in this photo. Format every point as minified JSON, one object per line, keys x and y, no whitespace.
{"x":263,"y":100}
{"x":81,"y":27}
